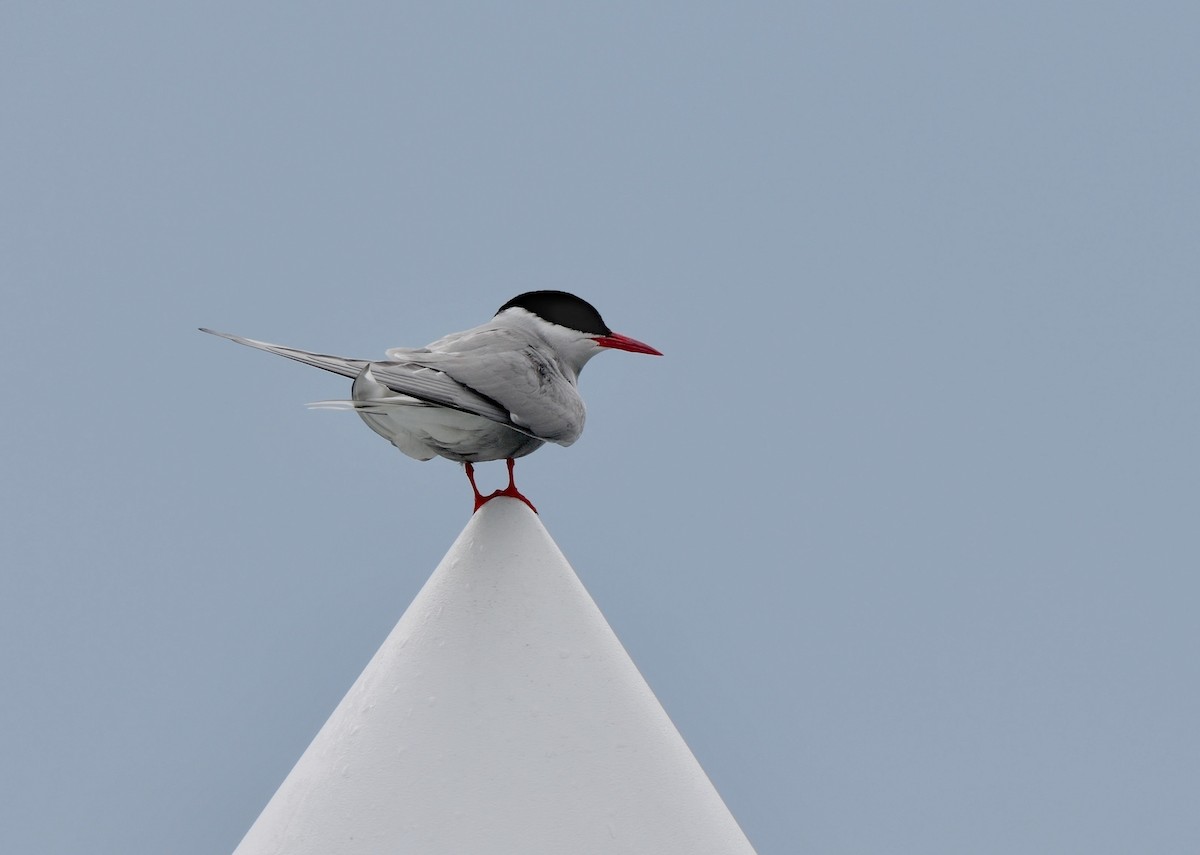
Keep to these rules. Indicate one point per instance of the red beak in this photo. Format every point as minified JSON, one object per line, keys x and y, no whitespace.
{"x":623,"y":342}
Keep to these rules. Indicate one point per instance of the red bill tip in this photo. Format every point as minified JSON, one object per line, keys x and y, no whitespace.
{"x":623,"y":342}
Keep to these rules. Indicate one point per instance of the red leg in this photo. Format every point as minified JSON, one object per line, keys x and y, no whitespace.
{"x":511,"y":490}
{"x":479,"y":499}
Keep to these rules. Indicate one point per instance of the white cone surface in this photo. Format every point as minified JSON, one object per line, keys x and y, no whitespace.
{"x":501,"y":715}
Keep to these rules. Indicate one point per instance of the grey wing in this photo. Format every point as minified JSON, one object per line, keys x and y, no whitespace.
{"x":337,"y":364}
{"x":435,"y":379}
{"x":435,"y":386}
{"x":519,"y":376}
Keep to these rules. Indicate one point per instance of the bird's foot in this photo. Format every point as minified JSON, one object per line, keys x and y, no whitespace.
{"x":511,"y":490}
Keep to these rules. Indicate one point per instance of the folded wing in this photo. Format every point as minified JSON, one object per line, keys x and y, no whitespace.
{"x":521,"y":375}
{"x":432,"y":380}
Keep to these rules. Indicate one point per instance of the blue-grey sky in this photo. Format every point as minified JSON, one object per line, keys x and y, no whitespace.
{"x":902,"y":529}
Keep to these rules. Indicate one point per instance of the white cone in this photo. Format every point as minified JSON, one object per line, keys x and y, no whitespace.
{"x":501,"y":715}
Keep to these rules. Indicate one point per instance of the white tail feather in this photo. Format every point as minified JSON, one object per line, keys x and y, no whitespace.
{"x":378,"y":405}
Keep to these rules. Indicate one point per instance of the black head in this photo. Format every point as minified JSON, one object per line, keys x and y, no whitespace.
{"x":559,"y":307}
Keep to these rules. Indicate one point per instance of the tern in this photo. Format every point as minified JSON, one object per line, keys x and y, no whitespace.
{"x":498,"y":391}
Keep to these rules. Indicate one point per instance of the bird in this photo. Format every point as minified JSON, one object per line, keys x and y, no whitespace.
{"x":498,"y":391}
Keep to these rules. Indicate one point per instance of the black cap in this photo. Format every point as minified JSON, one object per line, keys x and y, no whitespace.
{"x":559,"y":307}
